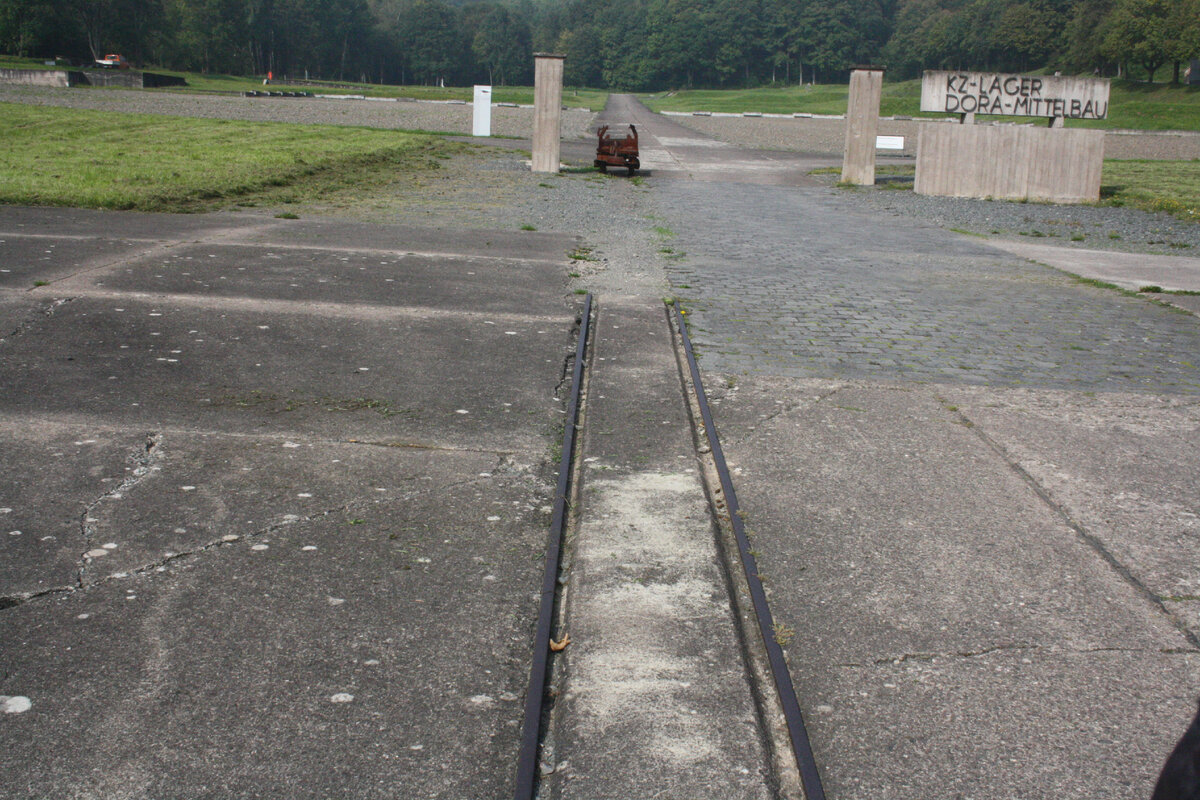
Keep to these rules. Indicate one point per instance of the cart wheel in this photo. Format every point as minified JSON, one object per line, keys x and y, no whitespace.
{"x":603,"y":167}
{"x":632,"y":170}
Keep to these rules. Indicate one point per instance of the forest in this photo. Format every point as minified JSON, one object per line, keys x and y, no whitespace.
{"x":636,"y":45}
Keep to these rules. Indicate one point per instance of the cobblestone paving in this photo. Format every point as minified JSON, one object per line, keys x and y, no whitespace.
{"x":793,"y":281}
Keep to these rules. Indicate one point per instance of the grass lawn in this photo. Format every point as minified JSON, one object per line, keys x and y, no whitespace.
{"x":1171,"y":186}
{"x":96,"y":159}
{"x":592,"y":99}
{"x":1134,"y":105}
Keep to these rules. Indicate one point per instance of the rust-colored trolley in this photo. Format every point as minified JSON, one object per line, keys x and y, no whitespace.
{"x":617,"y":150}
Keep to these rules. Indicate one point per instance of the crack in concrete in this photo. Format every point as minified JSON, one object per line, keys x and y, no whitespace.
{"x":363,"y":311}
{"x":101,"y":265}
{"x":157,"y":247}
{"x":153,"y":566}
{"x":563,"y":387}
{"x":432,"y":448}
{"x":144,"y":461}
{"x":1086,"y":536}
{"x":785,"y":408}
{"x":47,"y":309}
{"x":504,"y":466}
{"x":1007,"y":648}
{"x":1000,"y":648}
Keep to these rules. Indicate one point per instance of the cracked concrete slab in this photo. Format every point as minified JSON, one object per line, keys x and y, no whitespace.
{"x":375,"y":277}
{"x":376,"y":653}
{"x":393,"y":378}
{"x":1006,"y":725}
{"x":16,"y":310}
{"x":152,"y":498}
{"x":275,"y":540}
{"x":893,"y":537}
{"x":42,"y":509}
{"x":1119,"y":465}
{"x":28,"y":260}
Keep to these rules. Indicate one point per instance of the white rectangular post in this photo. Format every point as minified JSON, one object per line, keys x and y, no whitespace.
{"x":483,"y":112}
{"x":547,"y":111}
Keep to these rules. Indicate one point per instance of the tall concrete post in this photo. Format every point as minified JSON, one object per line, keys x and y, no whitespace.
{"x":862,"y":124}
{"x":547,"y":111}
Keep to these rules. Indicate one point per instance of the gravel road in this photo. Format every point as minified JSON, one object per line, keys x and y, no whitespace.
{"x":810,"y":135}
{"x":403,"y":115}
{"x":821,"y":135}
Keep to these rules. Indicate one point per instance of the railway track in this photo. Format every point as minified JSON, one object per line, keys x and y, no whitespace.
{"x":781,"y":721}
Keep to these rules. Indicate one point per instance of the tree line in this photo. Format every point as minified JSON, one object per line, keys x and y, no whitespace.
{"x":616,"y":44}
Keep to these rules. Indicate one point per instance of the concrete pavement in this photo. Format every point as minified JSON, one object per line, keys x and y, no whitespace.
{"x":273,"y":499}
{"x":971,"y":483}
{"x":276,"y":494}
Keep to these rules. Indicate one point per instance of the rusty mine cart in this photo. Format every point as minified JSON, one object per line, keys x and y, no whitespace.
{"x":617,"y":150}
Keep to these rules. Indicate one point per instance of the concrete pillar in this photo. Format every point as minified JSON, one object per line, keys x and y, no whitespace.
{"x":482,"y":122}
{"x":547,"y":111}
{"x":862,"y":124}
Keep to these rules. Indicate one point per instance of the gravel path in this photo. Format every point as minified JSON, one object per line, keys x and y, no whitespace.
{"x":368,"y":113}
{"x":820,"y":135}
{"x":1087,"y":227}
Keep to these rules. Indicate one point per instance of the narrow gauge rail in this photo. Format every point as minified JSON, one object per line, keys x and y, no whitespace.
{"x":535,"y":695}
{"x":810,"y":778}
{"x":527,"y":762}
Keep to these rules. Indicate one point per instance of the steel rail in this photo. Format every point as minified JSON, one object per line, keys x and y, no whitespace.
{"x":535,"y":695}
{"x":810,"y":778}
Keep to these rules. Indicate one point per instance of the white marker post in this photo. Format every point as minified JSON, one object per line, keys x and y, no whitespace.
{"x":483,"y":111}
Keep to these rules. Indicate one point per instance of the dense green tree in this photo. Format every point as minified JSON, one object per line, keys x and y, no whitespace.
{"x":1137,"y":32}
{"x":628,"y":44}
{"x":1085,"y":36}
{"x":503,"y":46}
{"x":1183,"y":42}
{"x":428,"y":35}
{"x":29,"y":27}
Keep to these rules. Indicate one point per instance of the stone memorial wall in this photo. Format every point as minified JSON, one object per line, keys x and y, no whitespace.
{"x":1012,"y":162}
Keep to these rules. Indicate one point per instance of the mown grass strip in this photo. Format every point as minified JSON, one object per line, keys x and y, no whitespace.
{"x":97,"y":159}
{"x":1138,"y":106}
{"x":1170,"y":186}
{"x":591,"y":99}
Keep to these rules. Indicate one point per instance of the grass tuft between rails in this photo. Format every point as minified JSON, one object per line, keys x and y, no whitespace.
{"x":98,"y":159}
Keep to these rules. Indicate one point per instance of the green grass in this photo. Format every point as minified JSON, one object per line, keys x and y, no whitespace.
{"x":1170,"y":186}
{"x":1135,"y":105}
{"x":591,"y":99}
{"x":98,"y":159}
